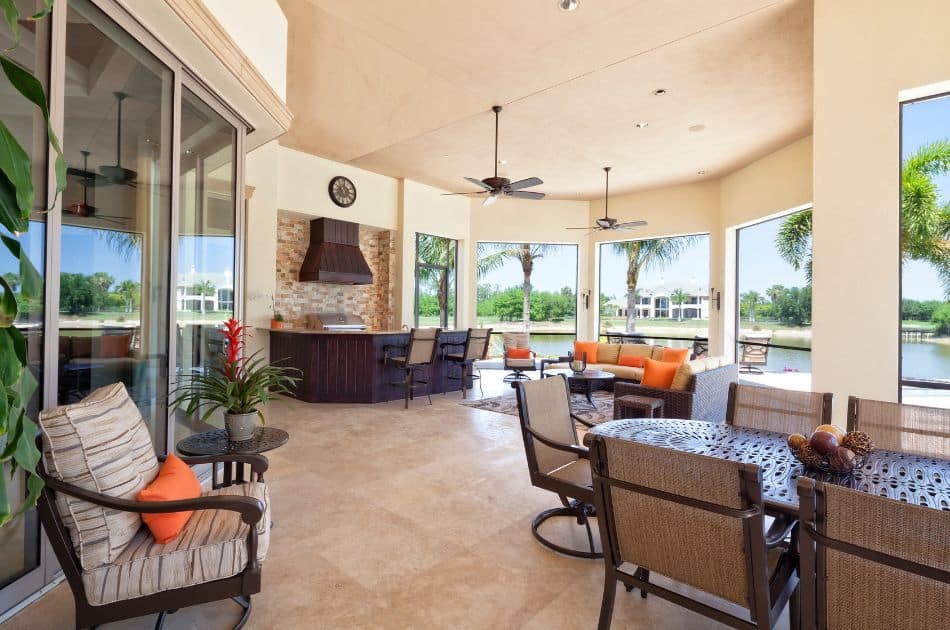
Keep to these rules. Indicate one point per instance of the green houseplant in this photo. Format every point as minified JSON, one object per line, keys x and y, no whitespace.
{"x":239,"y":386}
{"x":17,"y":383}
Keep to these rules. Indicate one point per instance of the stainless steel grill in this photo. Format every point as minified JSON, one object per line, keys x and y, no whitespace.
{"x":335,"y":321}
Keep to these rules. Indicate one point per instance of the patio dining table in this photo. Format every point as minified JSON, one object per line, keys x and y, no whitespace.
{"x":902,"y":476}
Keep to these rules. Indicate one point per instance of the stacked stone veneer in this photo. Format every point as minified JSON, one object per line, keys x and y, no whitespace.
{"x":295,"y":300}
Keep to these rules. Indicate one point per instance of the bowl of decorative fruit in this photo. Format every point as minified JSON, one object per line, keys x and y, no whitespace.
{"x":830,"y":450}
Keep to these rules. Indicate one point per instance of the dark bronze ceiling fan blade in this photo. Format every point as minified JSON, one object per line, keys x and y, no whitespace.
{"x":525,"y":183}
{"x":479,"y":183}
{"x":583,"y":228}
{"x":629,"y":225}
{"x":478,"y":192}
{"x":525,"y":194}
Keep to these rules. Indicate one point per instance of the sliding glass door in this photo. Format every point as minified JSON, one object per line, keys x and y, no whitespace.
{"x":116,"y":219}
{"x":20,"y":550}
{"x":204,"y":292}
{"x":141,"y":255}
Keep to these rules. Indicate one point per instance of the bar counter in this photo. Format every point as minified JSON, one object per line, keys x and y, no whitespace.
{"x":347,"y":366}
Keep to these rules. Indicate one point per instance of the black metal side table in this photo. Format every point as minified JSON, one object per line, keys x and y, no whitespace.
{"x":217,"y":443}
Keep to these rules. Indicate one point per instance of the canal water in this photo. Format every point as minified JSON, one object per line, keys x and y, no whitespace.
{"x":921,"y":360}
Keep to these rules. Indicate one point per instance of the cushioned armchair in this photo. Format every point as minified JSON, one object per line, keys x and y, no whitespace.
{"x":113,"y":564}
{"x":697,"y":393}
{"x":518,"y":365}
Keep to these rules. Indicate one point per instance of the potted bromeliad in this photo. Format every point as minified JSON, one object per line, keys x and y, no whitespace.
{"x":239,"y":385}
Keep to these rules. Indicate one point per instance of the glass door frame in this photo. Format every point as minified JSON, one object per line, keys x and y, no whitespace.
{"x":54,"y":64}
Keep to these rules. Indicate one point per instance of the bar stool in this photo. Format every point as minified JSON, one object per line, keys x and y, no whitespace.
{"x":419,"y":355}
{"x":474,"y":347}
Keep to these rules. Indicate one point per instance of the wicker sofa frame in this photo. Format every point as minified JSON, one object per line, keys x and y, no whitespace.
{"x":705,"y":397}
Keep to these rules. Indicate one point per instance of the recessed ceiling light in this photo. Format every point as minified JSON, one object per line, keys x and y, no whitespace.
{"x":659,"y":92}
{"x":643,"y":125}
{"x":700,"y":172}
{"x":697,"y":127}
{"x":446,"y":155}
{"x":567,"y":5}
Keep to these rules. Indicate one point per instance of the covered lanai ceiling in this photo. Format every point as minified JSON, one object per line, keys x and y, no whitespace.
{"x":405,"y":87}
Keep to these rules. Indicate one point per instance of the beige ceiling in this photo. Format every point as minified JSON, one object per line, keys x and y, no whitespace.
{"x":405,"y":88}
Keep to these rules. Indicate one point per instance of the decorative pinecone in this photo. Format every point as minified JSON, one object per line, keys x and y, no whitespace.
{"x":808,"y":456}
{"x":859,"y":442}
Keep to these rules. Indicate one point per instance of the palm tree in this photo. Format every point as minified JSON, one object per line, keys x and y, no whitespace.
{"x":679,"y":298}
{"x":775,"y":293}
{"x":205,"y":288}
{"x":437,"y":256}
{"x":491,"y":256}
{"x":750,"y":299}
{"x":130,"y":291}
{"x":647,"y":254}
{"x":925,"y":223}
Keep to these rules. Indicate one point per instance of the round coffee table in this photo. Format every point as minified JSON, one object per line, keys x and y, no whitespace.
{"x":217,"y":443}
{"x":586,"y":382}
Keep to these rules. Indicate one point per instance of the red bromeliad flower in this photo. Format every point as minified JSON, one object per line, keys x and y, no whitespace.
{"x":234,"y":342}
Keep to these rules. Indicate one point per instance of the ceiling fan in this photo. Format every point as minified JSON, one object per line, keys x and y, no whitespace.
{"x":498,"y":186}
{"x":84,"y":209}
{"x":609,"y":223}
{"x":109,"y":174}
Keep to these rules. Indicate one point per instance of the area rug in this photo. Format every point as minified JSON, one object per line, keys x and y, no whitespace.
{"x":508,"y":404}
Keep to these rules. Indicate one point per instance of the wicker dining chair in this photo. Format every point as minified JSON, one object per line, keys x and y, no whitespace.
{"x":474,"y":348}
{"x":556,"y":460}
{"x":415,"y":357}
{"x":898,"y":427}
{"x":778,"y":410}
{"x":695,"y":519}
{"x":871,"y":562}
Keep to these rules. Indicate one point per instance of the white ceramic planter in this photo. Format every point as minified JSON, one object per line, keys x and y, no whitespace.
{"x":240,"y":426}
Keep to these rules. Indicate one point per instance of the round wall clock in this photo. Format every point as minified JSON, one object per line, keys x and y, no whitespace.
{"x":342,"y":191}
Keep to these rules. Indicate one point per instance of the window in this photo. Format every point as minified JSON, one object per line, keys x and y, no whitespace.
{"x":436,"y":262}
{"x":529,"y":286}
{"x":773,"y":289}
{"x":925,"y":252}
{"x":657,"y":288}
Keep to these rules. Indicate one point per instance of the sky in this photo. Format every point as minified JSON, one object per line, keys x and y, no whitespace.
{"x":924,"y":122}
{"x":555,"y":270}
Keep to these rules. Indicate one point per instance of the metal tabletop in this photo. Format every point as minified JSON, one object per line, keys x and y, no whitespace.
{"x":896,"y":475}
{"x":217,"y":443}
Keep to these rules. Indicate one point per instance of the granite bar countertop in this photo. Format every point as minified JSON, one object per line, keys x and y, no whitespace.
{"x":308,"y":331}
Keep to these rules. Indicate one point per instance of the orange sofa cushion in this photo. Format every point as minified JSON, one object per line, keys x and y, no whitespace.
{"x":658,"y":374}
{"x":675,"y":355}
{"x":586,"y":347}
{"x":175,"y":481}
{"x":631,"y":361}
{"x":519,"y":353}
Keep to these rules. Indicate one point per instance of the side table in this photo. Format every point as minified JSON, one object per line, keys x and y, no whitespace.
{"x":632,"y":406}
{"x":217,"y":443}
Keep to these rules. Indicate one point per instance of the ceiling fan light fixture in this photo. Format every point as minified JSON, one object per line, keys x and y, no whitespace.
{"x":490,"y":199}
{"x":567,"y":5}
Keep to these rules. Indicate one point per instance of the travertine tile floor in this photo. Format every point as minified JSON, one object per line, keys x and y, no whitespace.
{"x":386,"y":518}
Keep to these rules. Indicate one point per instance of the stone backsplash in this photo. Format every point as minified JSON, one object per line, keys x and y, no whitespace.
{"x":295,"y":300}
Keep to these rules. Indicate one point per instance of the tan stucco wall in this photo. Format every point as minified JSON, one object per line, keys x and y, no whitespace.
{"x":863,"y":60}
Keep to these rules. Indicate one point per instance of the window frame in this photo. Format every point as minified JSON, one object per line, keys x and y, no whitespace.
{"x":453,"y":268}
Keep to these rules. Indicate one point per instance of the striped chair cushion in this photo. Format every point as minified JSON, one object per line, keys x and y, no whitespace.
{"x":212,"y":546}
{"x":103,"y":445}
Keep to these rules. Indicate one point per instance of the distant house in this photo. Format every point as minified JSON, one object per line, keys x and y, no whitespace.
{"x":205,"y":292}
{"x":655,"y":303}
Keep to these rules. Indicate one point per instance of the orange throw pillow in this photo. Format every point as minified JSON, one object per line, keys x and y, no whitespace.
{"x":631,"y":361}
{"x":586,"y":347}
{"x":658,"y":374}
{"x":519,"y":353}
{"x":675,"y":355}
{"x":175,"y":481}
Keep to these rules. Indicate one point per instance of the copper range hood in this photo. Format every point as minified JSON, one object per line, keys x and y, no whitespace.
{"x":334,"y":254}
